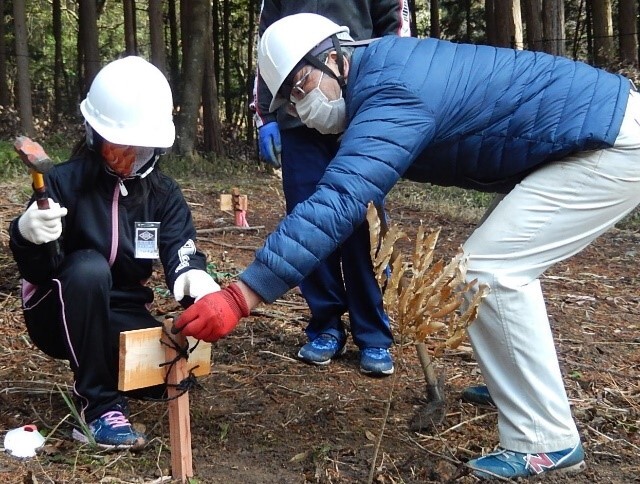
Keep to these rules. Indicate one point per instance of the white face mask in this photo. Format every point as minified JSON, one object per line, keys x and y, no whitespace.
{"x":316,"y":111}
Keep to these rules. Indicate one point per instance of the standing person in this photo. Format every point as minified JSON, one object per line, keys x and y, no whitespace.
{"x":560,"y":138}
{"x":112,"y":212}
{"x":344,"y":282}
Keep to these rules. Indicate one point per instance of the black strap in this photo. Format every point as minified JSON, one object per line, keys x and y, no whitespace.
{"x":336,"y":46}
{"x":315,"y":62}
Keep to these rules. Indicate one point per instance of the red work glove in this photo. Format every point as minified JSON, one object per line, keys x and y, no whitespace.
{"x":214,"y":316}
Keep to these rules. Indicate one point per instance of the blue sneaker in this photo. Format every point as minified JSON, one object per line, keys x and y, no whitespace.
{"x":376,"y":361}
{"x":478,"y":395}
{"x":322,"y":349}
{"x":113,"y":431}
{"x":506,"y":464}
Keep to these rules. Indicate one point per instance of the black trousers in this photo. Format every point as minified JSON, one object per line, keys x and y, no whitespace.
{"x":73,"y":318}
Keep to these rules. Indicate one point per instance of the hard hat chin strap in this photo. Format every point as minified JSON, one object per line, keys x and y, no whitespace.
{"x":315,"y":62}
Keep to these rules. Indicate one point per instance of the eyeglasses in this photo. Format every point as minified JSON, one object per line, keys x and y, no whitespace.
{"x":297,"y":92}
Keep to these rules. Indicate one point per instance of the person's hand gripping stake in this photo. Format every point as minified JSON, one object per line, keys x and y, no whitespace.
{"x":213,"y":316}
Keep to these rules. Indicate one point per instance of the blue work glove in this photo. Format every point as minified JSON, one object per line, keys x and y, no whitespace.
{"x":269,"y":143}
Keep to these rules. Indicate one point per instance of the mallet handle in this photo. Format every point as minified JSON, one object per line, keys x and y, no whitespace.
{"x":42,"y":199}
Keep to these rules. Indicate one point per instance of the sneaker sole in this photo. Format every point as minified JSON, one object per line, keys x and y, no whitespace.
{"x":573,"y":469}
{"x":378,"y":373}
{"x":80,"y":437}
{"x":478,"y":401}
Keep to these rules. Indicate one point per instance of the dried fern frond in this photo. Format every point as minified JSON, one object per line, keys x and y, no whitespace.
{"x":373,"y":219}
{"x":383,"y":240}
{"x":425,"y":297}
{"x":393,"y":285}
{"x":424,"y":249}
{"x":386,"y":252}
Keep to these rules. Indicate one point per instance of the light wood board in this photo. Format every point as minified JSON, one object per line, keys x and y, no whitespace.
{"x":141,"y":355}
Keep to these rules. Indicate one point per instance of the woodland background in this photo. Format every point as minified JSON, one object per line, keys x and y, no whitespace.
{"x":262,"y":416}
{"x":50,"y":50}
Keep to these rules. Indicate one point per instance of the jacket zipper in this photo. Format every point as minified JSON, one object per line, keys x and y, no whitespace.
{"x":114,"y":221}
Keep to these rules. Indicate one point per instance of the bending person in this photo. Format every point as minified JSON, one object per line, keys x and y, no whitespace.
{"x":560,"y":138}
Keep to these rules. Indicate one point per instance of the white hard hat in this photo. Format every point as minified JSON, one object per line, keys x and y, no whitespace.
{"x":130,"y":103}
{"x":285,"y":43}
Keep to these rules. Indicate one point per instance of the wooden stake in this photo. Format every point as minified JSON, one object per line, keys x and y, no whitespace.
{"x":141,"y":365}
{"x":238,"y":203}
{"x":231,"y":202}
{"x":179,"y":419}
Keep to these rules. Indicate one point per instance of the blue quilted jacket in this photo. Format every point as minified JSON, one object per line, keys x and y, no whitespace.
{"x":449,"y":114}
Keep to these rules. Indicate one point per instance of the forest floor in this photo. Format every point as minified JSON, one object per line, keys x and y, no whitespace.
{"x":262,"y":416}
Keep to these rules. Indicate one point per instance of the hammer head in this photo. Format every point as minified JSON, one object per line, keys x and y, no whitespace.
{"x":32,"y":154}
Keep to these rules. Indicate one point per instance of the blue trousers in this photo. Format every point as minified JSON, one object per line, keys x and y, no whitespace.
{"x":345,"y":281}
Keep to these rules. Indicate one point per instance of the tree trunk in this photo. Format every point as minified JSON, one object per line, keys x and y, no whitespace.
{"x":602,"y":31}
{"x":580,"y":28}
{"x":174,"y":50}
{"x":589,"y":30}
{"x":58,"y":65}
{"x":627,"y":15}
{"x":22,"y":65}
{"x":211,"y":121}
{"x":226,"y":53}
{"x":249,"y":130}
{"x":413,"y":28}
{"x":5,"y":98}
{"x":88,"y":42}
{"x":185,"y":35}
{"x":434,"y":10}
{"x":130,"y":41}
{"x":216,"y":38}
{"x":532,"y":11}
{"x":508,"y":23}
{"x":468,"y":34}
{"x":553,"y":26}
{"x":518,"y":35}
{"x":156,"y":35}
{"x":194,"y":61}
{"x":490,"y":20}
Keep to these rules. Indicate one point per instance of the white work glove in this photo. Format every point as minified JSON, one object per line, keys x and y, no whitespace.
{"x":42,"y":226}
{"x":195,"y":283}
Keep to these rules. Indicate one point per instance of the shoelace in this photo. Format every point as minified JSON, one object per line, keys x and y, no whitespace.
{"x":115,"y":419}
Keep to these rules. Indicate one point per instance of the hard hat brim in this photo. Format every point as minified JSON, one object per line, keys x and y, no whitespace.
{"x":277,"y":102}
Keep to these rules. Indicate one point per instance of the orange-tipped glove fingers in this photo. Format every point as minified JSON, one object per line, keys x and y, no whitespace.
{"x":214,"y":316}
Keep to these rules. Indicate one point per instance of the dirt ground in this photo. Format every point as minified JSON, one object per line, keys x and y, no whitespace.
{"x":261,"y":416}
